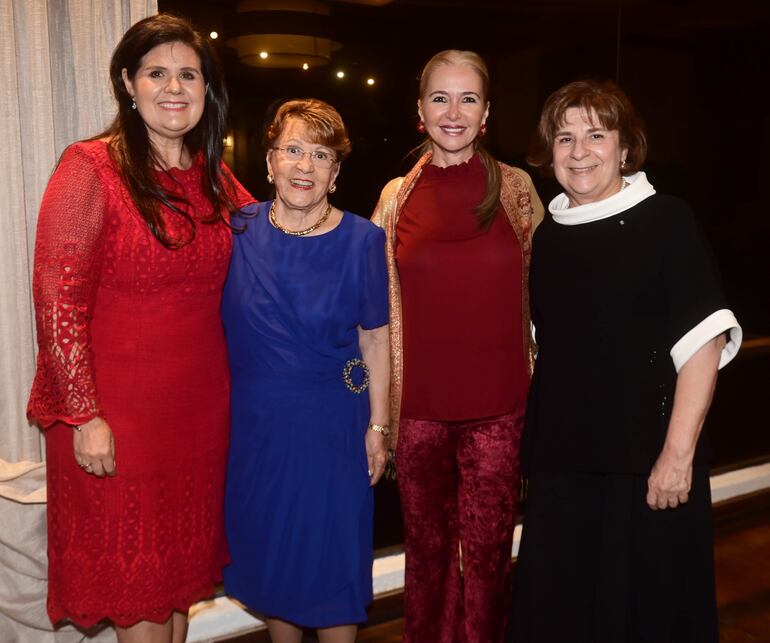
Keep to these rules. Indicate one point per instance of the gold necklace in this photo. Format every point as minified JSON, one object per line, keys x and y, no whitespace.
{"x":299,"y":233}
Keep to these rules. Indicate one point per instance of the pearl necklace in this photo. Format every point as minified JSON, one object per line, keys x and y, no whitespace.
{"x":299,"y":233}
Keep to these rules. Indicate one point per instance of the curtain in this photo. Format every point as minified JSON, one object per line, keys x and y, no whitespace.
{"x":54,"y":90}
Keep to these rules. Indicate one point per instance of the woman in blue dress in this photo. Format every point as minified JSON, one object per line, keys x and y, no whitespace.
{"x":305,"y":310}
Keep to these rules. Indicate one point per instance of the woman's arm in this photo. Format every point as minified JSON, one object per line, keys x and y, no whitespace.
{"x":68,"y":258}
{"x":238,"y":194}
{"x":375,"y":349}
{"x":671,"y":477}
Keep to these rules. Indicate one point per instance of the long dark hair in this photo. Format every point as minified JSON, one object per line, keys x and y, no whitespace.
{"x":486,"y":210}
{"x":129,"y":143}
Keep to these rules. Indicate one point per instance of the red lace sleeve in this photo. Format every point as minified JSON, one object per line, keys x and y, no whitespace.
{"x":238,"y":194}
{"x":66,"y":276}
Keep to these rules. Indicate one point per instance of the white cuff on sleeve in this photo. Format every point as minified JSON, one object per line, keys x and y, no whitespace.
{"x":718,"y":322}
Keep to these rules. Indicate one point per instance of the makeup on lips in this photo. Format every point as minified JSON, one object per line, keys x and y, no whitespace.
{"x":453,"y":111}
{"x":169,"y":91}
{"x":301,"y":184}
{"x":173,"y":106}
{"x":587,"y":158}
{"x":453,"y":130}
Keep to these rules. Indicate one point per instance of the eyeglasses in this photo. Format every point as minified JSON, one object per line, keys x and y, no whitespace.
{"x":319,"y":158}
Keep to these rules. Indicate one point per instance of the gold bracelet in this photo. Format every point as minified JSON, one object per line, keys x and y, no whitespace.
{"x":380,"y":428}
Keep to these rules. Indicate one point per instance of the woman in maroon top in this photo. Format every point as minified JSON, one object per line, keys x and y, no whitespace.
{"x":459,"y":228}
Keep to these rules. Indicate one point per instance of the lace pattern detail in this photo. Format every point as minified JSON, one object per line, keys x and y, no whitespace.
{"x":129,"y":559}
{"x":65,"y":280}
{"x":88,"y":231}
{"x":130,"y":331}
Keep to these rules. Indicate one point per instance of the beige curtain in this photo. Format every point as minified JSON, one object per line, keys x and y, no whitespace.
{"x":54,"y":89}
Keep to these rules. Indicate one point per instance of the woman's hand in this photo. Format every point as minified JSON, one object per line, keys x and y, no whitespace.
{"x":376,"y":455}
{"x":375,"y":349}
{"x":670,"y":481}
{"x":94,"y":447}
{"x":671,"y":478}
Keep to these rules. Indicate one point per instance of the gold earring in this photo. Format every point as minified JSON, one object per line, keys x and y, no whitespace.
{"x":270,"y":179}
{"x":333,"y":188}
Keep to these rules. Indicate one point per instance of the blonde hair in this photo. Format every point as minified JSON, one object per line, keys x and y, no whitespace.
{"x":487,"y":208}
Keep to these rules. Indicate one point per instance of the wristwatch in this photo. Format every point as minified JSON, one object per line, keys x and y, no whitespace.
{"x":380,"y":428}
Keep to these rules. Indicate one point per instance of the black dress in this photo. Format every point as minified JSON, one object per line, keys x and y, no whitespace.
{"x":616,"y":302}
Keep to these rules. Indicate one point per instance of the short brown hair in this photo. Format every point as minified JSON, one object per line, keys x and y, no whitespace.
{"x":612,"y":108}
{"x":322,"y":121}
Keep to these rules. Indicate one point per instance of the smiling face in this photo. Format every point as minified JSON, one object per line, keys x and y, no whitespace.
{"x":453,"y":109}
{"x":587,"y":158}
{"x":169,"y":91}
{"x":300,"y":185}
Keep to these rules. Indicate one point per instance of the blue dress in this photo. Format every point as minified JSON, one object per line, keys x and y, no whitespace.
{"x":298,"y":505}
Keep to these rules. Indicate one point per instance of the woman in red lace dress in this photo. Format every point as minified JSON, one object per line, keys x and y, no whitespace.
{"x":132,"y":382}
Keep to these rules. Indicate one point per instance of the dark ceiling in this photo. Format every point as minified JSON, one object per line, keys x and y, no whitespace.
{"x":377,"y":36}
{"x":695,"y":69}
{"x":574,"y":38}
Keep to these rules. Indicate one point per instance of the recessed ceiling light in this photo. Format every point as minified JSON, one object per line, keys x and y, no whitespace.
{"x":340,"y":74}
{"x":370,"y":81}
{"x":305,"y":66}
{"x":213,"y":35}
{"x":263,"y":54}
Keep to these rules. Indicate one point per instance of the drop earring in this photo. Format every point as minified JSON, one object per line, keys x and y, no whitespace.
{"x":483,"y":131}
{"x":270,"y":179}
{"x":333,"y":188}
{"x":133,"y":104}
{"x":421,"y":127}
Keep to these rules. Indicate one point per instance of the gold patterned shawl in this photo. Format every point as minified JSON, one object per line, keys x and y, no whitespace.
{"x":525,"y":211}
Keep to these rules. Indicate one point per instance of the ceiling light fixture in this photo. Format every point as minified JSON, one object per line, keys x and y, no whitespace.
{"x":295,"y":32}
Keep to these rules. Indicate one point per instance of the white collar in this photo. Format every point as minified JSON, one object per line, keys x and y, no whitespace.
{"x":639,"y":188}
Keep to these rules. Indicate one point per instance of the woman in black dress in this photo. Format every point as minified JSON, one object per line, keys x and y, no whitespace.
{"x":632,"y":327}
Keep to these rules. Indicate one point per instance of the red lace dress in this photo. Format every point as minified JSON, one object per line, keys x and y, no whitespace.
{"x":130,"y":331}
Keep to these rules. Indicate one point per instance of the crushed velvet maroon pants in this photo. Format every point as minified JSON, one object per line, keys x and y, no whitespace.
{"x":459,"y":484}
